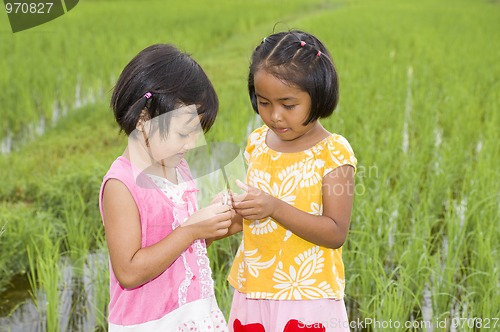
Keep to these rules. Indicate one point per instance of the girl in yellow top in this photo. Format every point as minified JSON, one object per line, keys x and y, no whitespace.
{"x":288,"y":273}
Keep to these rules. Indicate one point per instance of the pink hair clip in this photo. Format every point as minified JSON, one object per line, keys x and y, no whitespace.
{"x":319,"y":53}
{"x":148,"y":95}
{"x":302,"y":43}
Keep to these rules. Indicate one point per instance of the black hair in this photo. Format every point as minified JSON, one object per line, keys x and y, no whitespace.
{"x":172,"y":78}
{"x":300,"y":60}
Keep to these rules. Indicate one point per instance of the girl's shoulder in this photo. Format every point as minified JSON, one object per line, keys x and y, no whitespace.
{"x":336,"y":141}
{"x":337,"y":151}
{"x":255,"y":139}
{"x":257,"y":136}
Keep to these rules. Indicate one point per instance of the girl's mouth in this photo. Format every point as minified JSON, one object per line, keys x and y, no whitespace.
{"x":281,"y":130}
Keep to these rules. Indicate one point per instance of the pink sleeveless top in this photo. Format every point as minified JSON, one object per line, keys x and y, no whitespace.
{"x":187,"y":279}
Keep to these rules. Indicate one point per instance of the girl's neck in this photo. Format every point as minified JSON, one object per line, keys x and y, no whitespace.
{"x":153,"y":167}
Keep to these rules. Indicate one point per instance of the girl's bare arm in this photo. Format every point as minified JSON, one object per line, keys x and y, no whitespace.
{"x":328,"y":230}
{"x":133,"y":265}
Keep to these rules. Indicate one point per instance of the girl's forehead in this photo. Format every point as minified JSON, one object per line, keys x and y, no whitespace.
{"x":186,"y":117}
{"x":182,"y":116}
{"x":267,"y":83}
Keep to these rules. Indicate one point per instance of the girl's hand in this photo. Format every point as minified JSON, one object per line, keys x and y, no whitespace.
{"x":254,"y":203}
{"x":224,"y":197}
{"x":236,"y":226}
{"x":209,"y":222}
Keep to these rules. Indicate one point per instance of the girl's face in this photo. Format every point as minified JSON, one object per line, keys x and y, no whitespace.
{"x":283,"y":108}
{"x":183,"y":133}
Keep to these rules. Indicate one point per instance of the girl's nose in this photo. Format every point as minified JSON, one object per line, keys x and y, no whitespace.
{"x":276,"y":115}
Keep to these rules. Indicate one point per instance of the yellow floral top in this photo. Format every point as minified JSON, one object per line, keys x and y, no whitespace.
{"x":272,"y":262}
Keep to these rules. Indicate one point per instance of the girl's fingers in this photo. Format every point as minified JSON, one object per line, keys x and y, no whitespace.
{"x":220,"y":208}
{"x":242,"y":186}
{"x":248,"y":189}
{"x":224,"y":224}
{"x":251,"y":217}
{"x":226,"y":216}
{"x":223,"y":197}
{"x":239,"y":197}
{"x":221,"y":232}
{"x":243,"y":205}
{"x":245,"y":212}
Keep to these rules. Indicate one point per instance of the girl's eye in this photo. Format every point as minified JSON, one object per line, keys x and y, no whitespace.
{"x":289,"y":107}
{"x":263,"y":103}
{"x":183,"y":136}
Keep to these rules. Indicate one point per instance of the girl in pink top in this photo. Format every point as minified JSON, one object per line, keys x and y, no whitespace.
{"x":160,"y":277}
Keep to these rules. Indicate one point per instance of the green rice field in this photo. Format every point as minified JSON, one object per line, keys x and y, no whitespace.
{"x":419,"y":103}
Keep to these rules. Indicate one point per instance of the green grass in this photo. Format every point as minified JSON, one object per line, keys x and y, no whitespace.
{"x":45,"y":275}
{"x":420,"y":98}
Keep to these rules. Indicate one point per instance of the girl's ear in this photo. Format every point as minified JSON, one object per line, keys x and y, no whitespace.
{"x":143,"y":117}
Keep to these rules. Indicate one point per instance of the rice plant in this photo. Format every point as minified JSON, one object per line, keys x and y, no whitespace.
{"x":419,"y":103}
